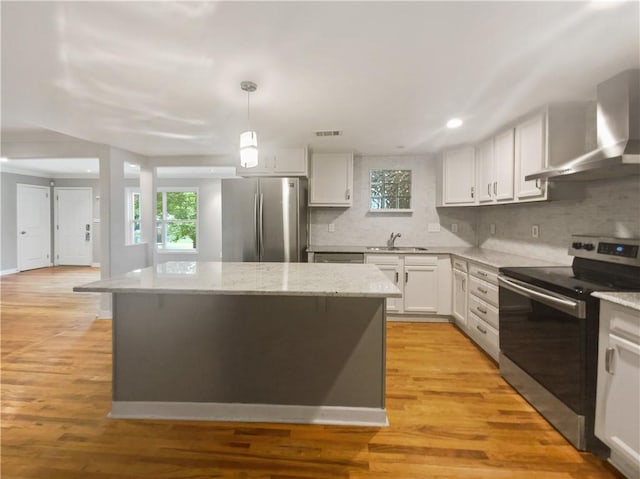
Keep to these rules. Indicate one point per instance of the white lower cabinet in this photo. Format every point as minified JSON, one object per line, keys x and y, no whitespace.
{"x":460,"y":292}
{"x":421,"y":284}
{"x":618,"y":390}
{"x":425,"y":282}
{"x":482,"y":316}
{"x":391,"y":266}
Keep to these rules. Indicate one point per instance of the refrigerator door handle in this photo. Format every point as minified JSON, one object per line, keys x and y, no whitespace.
{"x":255,"y":223}
{"x":261,"y":227}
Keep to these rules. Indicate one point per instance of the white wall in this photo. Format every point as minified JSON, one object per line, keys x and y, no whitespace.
{"x":357,"y":226}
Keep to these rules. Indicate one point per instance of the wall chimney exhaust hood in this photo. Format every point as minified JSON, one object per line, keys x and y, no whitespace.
{"x":618,"y":135}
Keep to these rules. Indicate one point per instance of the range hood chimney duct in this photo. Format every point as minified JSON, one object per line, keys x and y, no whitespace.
{"x":618,"y":135}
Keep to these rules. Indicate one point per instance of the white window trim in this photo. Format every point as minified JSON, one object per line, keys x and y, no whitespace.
{"x":172,"y":189}
{"x":129,"y":191}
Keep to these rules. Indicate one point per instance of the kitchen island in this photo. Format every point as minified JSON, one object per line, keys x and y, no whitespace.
{"x":271,"y":342}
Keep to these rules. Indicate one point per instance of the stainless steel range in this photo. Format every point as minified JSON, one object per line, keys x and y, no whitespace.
{"x":549,"y":331}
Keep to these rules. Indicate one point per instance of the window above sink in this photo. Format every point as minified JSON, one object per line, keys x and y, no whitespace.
{"x":390,"y":191}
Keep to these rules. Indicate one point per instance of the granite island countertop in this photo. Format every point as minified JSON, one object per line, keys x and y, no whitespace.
{"x":275,"y":279}
{"x":495,"y":259}
{"x":628,"y":299}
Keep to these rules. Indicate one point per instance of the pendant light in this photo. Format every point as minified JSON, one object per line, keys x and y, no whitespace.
{"x":249,"y":138}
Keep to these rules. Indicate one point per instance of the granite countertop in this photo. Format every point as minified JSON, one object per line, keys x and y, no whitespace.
{"x":629,"y":299}
{"x":274,"y":279}
{"x":495,"y":259}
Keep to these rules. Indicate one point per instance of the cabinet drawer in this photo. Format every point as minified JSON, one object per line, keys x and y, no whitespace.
{"x":483,"y":310}
{"x":484,"y":335}
{"x":420,"y":260}
{"x":488,"y":275}
{"x":459,"y":264}
{"x":623,"y":321}
{"x":483,"y":290}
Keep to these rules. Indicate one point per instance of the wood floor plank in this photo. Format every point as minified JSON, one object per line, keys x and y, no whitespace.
{"x":451,"y":414}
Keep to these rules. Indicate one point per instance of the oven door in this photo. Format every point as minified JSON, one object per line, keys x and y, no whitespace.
{"x":544,"y":333}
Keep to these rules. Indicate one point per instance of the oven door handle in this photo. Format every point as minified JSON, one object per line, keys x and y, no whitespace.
{"x":562,"y":303}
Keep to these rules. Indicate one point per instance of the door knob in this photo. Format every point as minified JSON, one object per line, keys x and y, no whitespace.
{"x":23,"y":232}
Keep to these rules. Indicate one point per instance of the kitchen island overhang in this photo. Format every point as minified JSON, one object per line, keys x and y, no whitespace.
{"x":268,"y":342}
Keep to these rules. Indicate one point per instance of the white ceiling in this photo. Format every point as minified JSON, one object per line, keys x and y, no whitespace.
{"x":162,"y":78}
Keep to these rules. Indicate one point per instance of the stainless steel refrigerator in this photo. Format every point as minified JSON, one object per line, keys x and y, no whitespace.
{"x":264,"y":219}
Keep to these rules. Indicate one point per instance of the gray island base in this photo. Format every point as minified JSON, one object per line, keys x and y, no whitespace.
{"x":278,"y":350}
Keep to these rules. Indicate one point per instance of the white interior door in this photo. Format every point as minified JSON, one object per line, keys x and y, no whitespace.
{"x":74,"y":235}
{"x":34,"y":226}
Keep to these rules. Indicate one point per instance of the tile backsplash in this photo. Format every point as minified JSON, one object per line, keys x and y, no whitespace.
{"x":605,"y":207}
{"x":358,"y":226}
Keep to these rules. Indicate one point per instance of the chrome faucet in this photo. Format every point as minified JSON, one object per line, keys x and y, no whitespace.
{"x":392,"y":240}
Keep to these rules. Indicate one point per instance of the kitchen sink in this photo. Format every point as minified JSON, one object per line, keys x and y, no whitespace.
{"x":397,"y":249}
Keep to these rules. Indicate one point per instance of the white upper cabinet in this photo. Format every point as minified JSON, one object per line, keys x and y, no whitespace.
{"x":331,"y":180}
{"x":502,"y":187}
{"x":282,"y":162}
{"x":485,"y":170}
{"x":494,"y":165}
{"x":530,"y":156}
{"x":458,"y":177}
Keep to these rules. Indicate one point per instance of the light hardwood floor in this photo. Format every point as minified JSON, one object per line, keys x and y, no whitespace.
{"x":450,"y":413}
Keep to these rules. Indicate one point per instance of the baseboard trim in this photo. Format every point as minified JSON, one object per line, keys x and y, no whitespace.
{"x":104,"y":314}
{"x":415,"y":318}
{"x":209,"y":411}
{"x":9,"y":271}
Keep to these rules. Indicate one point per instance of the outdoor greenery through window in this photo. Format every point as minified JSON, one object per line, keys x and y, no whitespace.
{"x":177,"y":219}
{"x":133,"y":216}
{"x":390,"y":190}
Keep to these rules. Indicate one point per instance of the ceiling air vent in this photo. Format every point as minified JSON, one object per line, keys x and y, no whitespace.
{"x":328,"y":133}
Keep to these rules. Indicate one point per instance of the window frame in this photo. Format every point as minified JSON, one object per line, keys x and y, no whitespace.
{"x":129,"y":213}
{"x":391,"y":210}
{"x":164,"y":221}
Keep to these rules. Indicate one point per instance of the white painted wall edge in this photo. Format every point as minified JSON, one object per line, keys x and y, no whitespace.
{"x":207,"y":411}
{"x":8,"y":271}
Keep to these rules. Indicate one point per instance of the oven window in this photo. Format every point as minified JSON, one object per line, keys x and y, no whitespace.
{"x":547,"y":344}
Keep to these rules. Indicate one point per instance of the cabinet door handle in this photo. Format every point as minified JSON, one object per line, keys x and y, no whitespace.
{"x":397,"y":277}
{"x":347,"y":195}
{"x":481,"y":329}
{"x":464,"y":284}
{"x":495,"y":187}
{"x":608,"y":360}
{"x":406,"y":276}
{"x":482,"y":273}
{"x":473,"y":192}
{"x":483,"y":291}
{"x":489,"y":189}
{"x":538,"y":183}
{"x":483,"y":311}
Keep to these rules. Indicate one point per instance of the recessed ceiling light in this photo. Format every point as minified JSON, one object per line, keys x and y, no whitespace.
{"x":88,"y":171}
{"x":454,"y":123}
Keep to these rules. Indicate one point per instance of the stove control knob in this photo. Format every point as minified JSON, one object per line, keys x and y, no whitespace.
{"x":588,"y":246}
{"x":576,"y":245}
